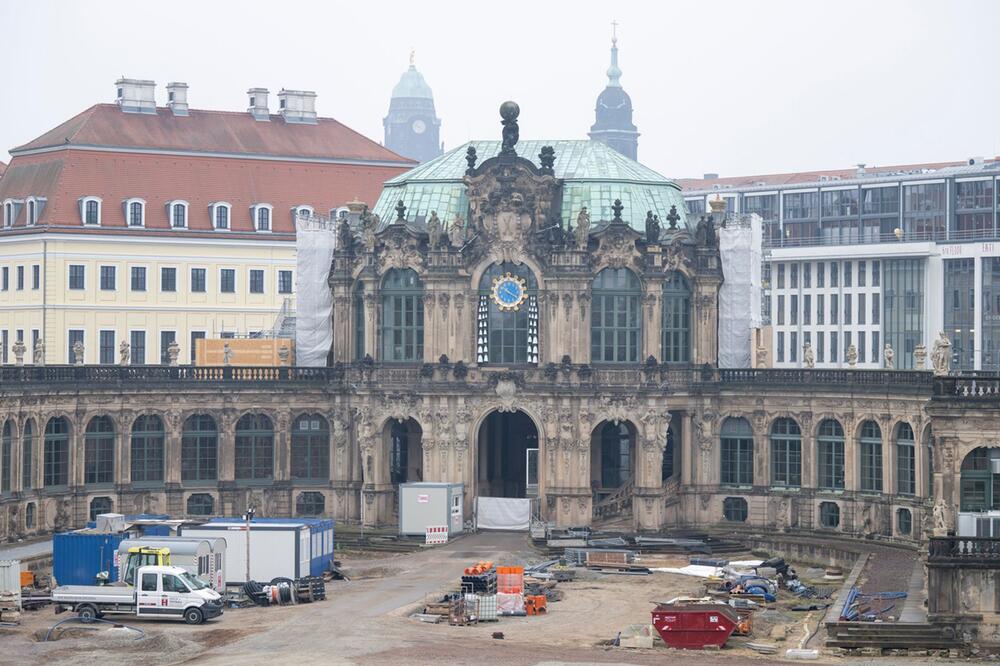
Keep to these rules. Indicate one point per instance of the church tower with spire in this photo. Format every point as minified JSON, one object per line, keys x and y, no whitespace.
{"x":412,"y":128}
{"x":613,"y":115}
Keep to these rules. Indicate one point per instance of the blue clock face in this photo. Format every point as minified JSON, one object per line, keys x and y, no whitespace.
{"x":508,"y":292}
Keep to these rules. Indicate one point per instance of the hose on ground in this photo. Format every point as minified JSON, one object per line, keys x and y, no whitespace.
{"x":48,"y":634}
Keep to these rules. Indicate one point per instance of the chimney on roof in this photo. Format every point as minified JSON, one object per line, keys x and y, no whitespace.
{"x":297,"y":106}
{"x":258,"y":104}
{"x":861,"y":169}
{"x":177,"y":98}
{"x":710,"y":176}
{"x":136,"y":95}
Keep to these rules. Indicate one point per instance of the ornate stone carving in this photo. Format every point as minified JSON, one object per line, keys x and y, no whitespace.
{"x":400,"y":250}
{"x":443,"y":301}
{"x":506,"y":390}
{"x":941,"y":355}
{"x":889,"y":356}
{"x":18,"y":348}
{"x":617,"y":248}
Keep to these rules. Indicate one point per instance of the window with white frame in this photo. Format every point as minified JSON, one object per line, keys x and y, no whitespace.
{"x":135,"y":212}
{"x":220,"y":214}
{"x":90,"y":211}
{"x":302,"y":211}
{"x":8,"y":213}
{"x":261,"y":216}
{"x":32,"y":217}
{"x":177,"y":212}
{"x":339,"y":213}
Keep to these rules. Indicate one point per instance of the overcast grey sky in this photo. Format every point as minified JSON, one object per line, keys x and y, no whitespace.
{"x":732,"y":87}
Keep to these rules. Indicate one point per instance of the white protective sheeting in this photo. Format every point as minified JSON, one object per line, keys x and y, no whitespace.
{"x":315,"y":240}
{"x":503,"y":513}
{"x":739,"y":297}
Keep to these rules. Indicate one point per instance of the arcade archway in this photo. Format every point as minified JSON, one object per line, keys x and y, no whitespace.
{"x":507,"y":461}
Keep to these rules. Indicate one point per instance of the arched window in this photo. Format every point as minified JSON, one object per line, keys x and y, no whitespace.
{"x":736,"y":453}
{"x":616,"y":317}
{"x":32,"y":212}
{"x":254,"y":453}
{"x":980,"y":487}
{"x":92,"y":212}
{"x":829,"y":515}
{"x":310,"y":504}
{"x":734,"y":509}
{"x":830,"y":460}
{"x":359,"y":321}
{"x":199,"y":449}
{"x":616,"y":454}
{"x":147,"y":449}
{"x":261,"y":215}
{"x":399,"y":452}
{"x":136,"y":213}
{"x":929,"y":438}
{"x":99,"y":451}
{"x":906,"y":465}
{"x":507,"y":316}
{"x":676,"y":326}
{"x":178,"y":215}
{"x":98,"y":506}
{"x":871,"y":457}
{"x":402,"y":317}
{"x":786,"y":454}
{"x":667,"y":468}
{"x":29,"y":516}
{"x":6,"y":456}
{"x":904,"y":522}
{"x":220,"y":214}
{"x":27,"y":454}
{"x":200,"y":504}
{"x":310,"y":447}
{"x":55,"y":454}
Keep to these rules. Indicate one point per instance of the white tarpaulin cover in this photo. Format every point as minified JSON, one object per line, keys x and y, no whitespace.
{"x":315,"y":240}
{"x":503,"y":513}
{"x":739,"y":297}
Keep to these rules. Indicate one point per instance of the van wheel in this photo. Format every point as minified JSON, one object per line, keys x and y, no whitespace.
{"x":193,"y":616}
{"x":87,"y":613}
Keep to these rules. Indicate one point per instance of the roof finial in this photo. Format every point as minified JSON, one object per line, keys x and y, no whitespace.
{"x":614,"y":73}
{"x":413,"y":54}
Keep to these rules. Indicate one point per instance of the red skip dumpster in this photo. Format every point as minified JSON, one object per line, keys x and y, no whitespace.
{"x":691,"y":625}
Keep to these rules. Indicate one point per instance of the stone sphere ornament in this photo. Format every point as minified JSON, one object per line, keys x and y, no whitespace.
{"x":509,"y":110}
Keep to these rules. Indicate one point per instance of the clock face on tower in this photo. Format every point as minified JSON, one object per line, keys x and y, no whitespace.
{"x":419,"y":126}
{"x":509,"y":292}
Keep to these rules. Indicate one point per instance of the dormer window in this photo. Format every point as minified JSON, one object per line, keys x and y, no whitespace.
{"x":32,"y":212}
{"x":261,"y":216}
{"x":177,"y":211}
{"x":135,"y":212}
{"x":220,"y":215}
{"x":303,"y":211}
{"x":8,"y":213}
{"x":339,"y":213}
{"x":90,"y":211}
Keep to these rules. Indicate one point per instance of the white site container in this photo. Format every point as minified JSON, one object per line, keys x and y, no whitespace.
{"x":277,"y":550}
{"x":427,"y":504}
{"x":201,"y":557}
{"x":10,"y":580}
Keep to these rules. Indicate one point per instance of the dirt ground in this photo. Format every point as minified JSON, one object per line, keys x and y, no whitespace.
{"x":367,"y":621}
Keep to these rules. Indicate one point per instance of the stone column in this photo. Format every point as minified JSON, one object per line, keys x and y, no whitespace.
{"x":852,"y":457}
{"x":283,"y":446}
{"x":920,"y":463}
{"x":652,"y":303}
{"x":810,"y":455}
{"x":16,"y":477}
{"x":226,"y":464}
{"x":687,"y":454}
{"x":173,"y":427}
{"x":371,"y":324}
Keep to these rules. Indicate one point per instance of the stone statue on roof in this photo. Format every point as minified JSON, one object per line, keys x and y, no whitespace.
{"x":434,"y":230}
{"x":39,"y":353}
{"x":457,"y":232}
{"x":941,"y":355}
{"x":889,"y":356}
{"x":582,"y":231}
{"x":124,"y":351}
{"x":18,"y":349}
{"x":652,"y":228}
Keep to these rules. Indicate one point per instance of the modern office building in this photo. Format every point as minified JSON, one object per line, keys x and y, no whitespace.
{"x":869,"y":257}
{"x":146,"y":224}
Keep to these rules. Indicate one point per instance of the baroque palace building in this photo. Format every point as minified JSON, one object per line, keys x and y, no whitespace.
{"x":143,"y":224}
{"x":532,"y":320}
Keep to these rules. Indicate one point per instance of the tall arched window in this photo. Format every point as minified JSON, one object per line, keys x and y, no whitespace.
{"x":254,"y":452}
{"x":92,"y":212}
{"x":616,"y":454}
{"x":786,"y":454}
{"x":871,"y":457}
{"x":55,"y":453}
{"x":830,"y":446}
{"x":359,"y":321}
{"x":310,"y":447}
{"x":667,"y":467}
{"x":199,"y":449}
{"x":906,"y":460}
{"x":399,"y":452}
{"x":98,"y":506}
{"x":736,"y":453}
{"x":616,"y":317}
{"x":6,"y":456}
{"x":402,"y":317}
{"x":147,"y":449}
{"x":99,"y":451}
{"x":135,"y":214}
{"x":507,"y":315}
{"x":27,"y":454}
{"x":676,"y":325}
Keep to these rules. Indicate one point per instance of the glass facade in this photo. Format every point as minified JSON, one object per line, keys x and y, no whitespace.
{"x":903,"y":296}
{"x":991,"y":313}
{"x":973,"y":210}
{"x":676,"y":326}
{"x":924,"y":211}
{"x":402,"y":317}
{"x":616,"y":317}
{"x":960,"y":311}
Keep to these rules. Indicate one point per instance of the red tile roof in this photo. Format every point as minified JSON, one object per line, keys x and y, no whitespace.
{"x":3,"y":168}
{"x":213,"y":132}
{"x":777,"y":179}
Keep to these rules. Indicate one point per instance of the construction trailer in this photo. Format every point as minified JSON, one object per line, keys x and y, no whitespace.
{"x":428,"y":504}
{"x":277,"y":550}
{"x":321,"y":538}
{"x":79,"y":556}
{"x":201,"y":557}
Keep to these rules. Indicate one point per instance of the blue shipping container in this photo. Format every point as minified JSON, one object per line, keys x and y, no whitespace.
{"x":77,"y":557}
{"x":321,"y":532}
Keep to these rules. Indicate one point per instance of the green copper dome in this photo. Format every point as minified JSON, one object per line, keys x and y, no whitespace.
{"x":593,"y":174}
{"x":411,"y":84}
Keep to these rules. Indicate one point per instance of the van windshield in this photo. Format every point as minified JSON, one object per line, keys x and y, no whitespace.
{"x":193,"y":582}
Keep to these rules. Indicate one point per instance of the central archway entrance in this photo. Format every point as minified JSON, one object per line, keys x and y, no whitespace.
{"x":507,"y":456}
